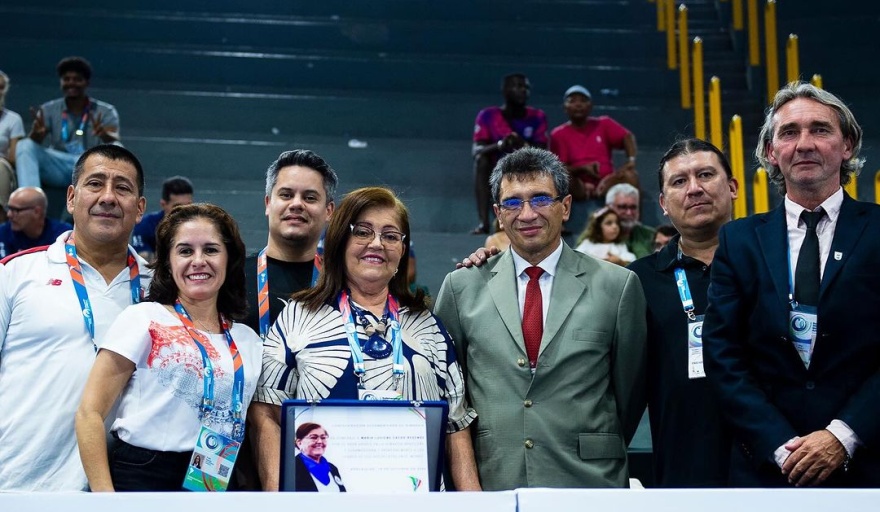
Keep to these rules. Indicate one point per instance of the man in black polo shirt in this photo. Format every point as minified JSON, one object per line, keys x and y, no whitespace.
{"x":691,"y":445}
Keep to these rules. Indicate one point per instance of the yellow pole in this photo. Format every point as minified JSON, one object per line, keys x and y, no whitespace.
{"x":877,"y":187}
{"x":684,"y":70}
{"x":754,"y":46}
{"x":771,"y":49}
{"x":716,"y":136}
{"x":792,"y":60}
{"x":737,"y":7}
{"x":762,"y":198}
{"x":737,"y":165}
{"x":661,"y":15}
{"x":852,"y":188}
{"x":670,"y":34}
{"x":699,"y":96}
{"x":817,"y":80}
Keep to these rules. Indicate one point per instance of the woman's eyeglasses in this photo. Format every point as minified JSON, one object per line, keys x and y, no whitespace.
{"x":364,"y":234}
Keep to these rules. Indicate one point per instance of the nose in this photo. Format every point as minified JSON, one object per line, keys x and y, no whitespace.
{"x":805,"y":141}
{"x":527,"y":212}
{"x":108,"y":193}
{"x":694,"y":187}
{"x":376,"y":241}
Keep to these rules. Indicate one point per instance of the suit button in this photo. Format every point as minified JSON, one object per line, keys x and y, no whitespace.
{"x":530,"y":444}
{"x":810,"y":385}
{"x":521,"y":362}
{"x":527,"y":403}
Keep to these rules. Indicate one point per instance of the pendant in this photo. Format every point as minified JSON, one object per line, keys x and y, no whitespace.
{"x":377,"y":347}
{"x":79,"y":133}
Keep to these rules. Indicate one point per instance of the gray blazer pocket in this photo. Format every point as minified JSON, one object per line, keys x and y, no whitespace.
{"x":600,"y":446}
{"x":587,"y":336}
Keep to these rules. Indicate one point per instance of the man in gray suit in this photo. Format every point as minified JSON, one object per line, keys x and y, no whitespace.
{"x":557,"y":401}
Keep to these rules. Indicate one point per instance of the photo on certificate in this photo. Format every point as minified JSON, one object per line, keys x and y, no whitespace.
{"x":362,"y":446}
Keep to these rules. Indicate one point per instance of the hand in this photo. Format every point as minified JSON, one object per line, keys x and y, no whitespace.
{"x":512,"y":142}
{"x":611,"y":258}
{"x":813,"y":458}
{"x":478,"y":257}
{"x":591,"y":169}
{"x":38,"y":129}
{"x":106,"y":133}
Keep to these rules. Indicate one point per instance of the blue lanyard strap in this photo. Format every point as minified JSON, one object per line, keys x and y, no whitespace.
{"x":263,"y":284}
{"x":79,"y":285}
{"x":208,"y":375}
{"x":65,"y":131}
{"x":357,"y":354}
{"x":684,"y":290}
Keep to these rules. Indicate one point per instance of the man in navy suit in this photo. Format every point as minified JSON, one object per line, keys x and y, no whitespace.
{"x":792,"y":331}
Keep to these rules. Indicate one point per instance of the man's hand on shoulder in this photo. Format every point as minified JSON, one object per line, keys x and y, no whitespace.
{"x":813,"y":458}
{"x":478,"y":257}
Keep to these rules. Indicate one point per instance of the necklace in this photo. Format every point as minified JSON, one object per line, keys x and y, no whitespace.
{"x":376,"y":346}
{"x":204,"y":328}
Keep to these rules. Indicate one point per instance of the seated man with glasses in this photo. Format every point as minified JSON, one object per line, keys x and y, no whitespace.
{"x":28,"y":226}
{"x":551,"y":341}
{"x":623,"y":198}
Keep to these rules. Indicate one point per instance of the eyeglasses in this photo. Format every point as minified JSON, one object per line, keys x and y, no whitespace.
{"x":632,"y":207}
{"x":13,"y":209}
{"x":515,"y":204}
{"x":364,"y":234}
{"x":315,"y":437}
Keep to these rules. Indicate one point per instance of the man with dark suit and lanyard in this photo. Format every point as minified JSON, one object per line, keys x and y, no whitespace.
{"x":690,"y":442}
{"x":790,"y":335}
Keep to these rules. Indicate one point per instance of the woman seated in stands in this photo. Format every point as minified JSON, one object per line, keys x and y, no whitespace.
{"x":186,"y":371}
{"x":361,"y":331}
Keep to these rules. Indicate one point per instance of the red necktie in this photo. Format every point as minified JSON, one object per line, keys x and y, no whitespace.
{"x":533,"y":315}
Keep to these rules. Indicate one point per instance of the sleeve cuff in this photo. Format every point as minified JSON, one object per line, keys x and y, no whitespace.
{"x":845,"y":435}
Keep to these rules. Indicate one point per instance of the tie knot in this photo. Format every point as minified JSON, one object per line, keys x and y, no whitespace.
{"x":811,"y":219}
{"x":534,"y":272}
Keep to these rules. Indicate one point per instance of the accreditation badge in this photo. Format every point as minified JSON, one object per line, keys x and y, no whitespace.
{"x":210,"y":466}
{"x":695,"y":348}
{"x":379,"y":394}
{"x":802,"y":328}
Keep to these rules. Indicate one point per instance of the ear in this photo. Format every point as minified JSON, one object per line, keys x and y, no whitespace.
{"x":847,"y":149}
{"x":331,"y":207}
{"x":771,"y":157}
{"x":663,"y":204}
{"x":71,"y":193}
{"x":566,"y":203}
{"x":142,"y":207}
{"x":266,"y":202}
{"x":498,"y":215}
{"x":734,"y":187}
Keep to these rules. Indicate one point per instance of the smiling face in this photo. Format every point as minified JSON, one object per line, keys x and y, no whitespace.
{"x":534,"y":232}
{"x":610,"y":228}
{"x":104,"y":202}
{"x":370,"y":264}
{"x":697,"y":194}
{"x":198,"y":260}
{"x":73,"y":84}
{"x":314,"y":444}
{"x":298,"y":209}
{"x":808,"y":147}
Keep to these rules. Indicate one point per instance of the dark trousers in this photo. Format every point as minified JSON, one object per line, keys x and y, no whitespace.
{"x":139,"y":469}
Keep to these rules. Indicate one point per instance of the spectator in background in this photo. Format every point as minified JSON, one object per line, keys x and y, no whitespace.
{"x":502,"y":130}
{"x":662,"y":236}
{"x":11,"y":130}
{"x":498,"y":239}
{"x":28,"y":225}
{"x":176,"y":190}
{"x":64,"y":128}
{"x":691,"y":443}
{"x":624,"y":199}
{"x":585,"y":144}
{"x":602,"y":238}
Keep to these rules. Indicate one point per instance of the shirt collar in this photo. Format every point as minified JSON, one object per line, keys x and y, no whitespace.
{"x":831,"y":206}
{"x":548,"y":264}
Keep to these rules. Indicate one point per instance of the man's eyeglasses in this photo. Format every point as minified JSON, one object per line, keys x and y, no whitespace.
{"x":632,"y":207}
{"x":364,"y":234}
{"x":13,"y":209}
{"x":515,"y":204}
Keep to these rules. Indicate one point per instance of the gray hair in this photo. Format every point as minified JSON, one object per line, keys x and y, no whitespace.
{"x":848,"y":126}
{"x":303,"y":158}
{"x":529,"y":162}
{"x":624,"y":189}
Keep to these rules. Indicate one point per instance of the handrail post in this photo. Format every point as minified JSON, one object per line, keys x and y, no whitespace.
{"x":699,"y":96}
{"x":761,"y":196}
{"x":684,"y":69}
{"x":670,"y":34}
{"x":792,"y":60}
{"x":715,"y":134}
{"x":737,"y":164}
{"x":771,"y":49}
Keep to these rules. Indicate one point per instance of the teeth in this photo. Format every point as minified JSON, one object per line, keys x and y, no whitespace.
{"x":199,"y":277}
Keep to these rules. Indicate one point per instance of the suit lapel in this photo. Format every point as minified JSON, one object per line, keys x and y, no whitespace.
{"x":773,"y":239}
{"x":502,"y":289}
{"x":567,"y":291}
{"x":850,"y":225}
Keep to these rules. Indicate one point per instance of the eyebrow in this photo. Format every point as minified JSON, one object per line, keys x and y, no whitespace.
{"x":812,"y":124}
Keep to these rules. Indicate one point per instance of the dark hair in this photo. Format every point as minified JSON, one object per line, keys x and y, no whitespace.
{"x":304,"y":429}
{"x":593,"y":229}
{"x":688,"y":146}
{"x":527,"y":163}
{"x":849,"y":128}
{"x":176,"y":185}
{"x":303,"y":158}
{"x":77,"y":65}
{"x":333,"y":274}
{"x":113,"y":152}
{"x":231,"y":299}
{"x":666,"y":230}
{"x":510,"y":76}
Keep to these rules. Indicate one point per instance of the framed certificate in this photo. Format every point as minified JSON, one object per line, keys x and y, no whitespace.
{"x":364,"y":446}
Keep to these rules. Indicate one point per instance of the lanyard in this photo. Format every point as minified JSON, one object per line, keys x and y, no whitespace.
{"x":79,"y":285}
{"x":208,"y":365}
{"x":263,"y":284}
{"x":357,"y":355}
{"x":65,"y":131}
{"x":684,"y":290}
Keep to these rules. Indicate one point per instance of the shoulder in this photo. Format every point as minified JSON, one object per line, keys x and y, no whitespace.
{"x":535,"y":113}
{"x":644,"y":265}
{"x":488,"y":112}
{"x":55,"y":104}
{"x":11,"y":117}
{"x":562,"y":129}
{"x":103,"y":105}
{"x":241,"y":332}
{"x":26,"y":257}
